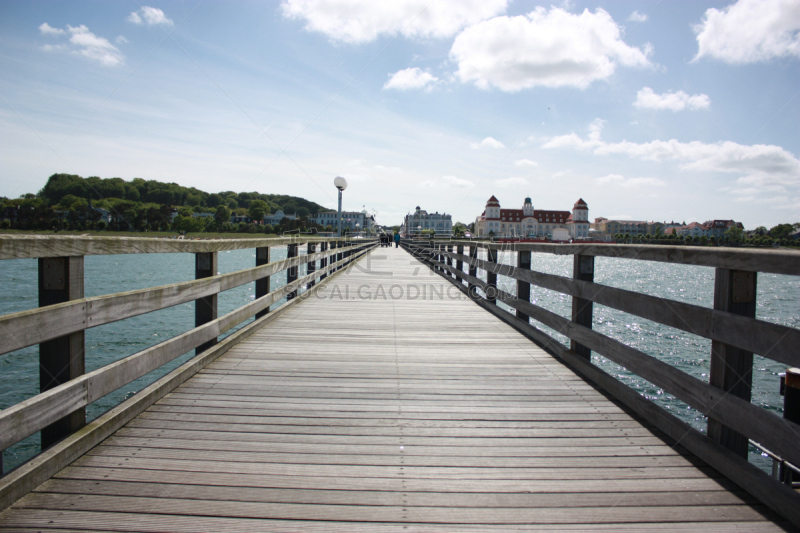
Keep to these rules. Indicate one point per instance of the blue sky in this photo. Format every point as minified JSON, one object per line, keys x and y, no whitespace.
{"x":647,"y":110}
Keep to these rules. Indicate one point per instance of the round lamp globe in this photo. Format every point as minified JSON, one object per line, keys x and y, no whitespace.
{"x":340,"y":183}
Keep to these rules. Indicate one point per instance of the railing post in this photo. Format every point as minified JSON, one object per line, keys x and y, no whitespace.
{"x":491,"y":277}
{"x":205,"y":308}
{"x":449,"y":260}
{"x":459,"y":262}
{"x":340,"y":253}
{"x":523,"y":287}
{"x":791,"y":412}
{"x":291,"y":272}
{"x":473,"y":268}
{"x":262,"y":285}
{"x":63,"y":358}
{"x":732,"y":368}
{"x":582,"y":270}
{"x":323,"y":262}
{"x":311,"y":266}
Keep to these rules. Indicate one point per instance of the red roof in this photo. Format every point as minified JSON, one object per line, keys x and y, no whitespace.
{"x":580,"y":204}
{"x":493,"y":201}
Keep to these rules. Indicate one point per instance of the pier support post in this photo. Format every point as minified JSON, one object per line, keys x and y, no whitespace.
{"x":205,"y":308}
{"x":340,"y":253}
{"x":459,"y":262}
{"x":311,"y":266}
{"x":262,"y":285}
{"x":732,"y":368}
{"x":491,"y":277}
{"x":472,"y":270}
{"x":291,"y":272}
{"x":582,"y":270}
{"x":523,"y":287}
{"x":63,"y":358}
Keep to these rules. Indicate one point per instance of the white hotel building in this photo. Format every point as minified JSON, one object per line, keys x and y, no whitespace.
{"x":530,"y":222}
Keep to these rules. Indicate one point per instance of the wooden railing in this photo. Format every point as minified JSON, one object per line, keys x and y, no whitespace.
{"x":58,"y":327}
{"x":731,"y":325}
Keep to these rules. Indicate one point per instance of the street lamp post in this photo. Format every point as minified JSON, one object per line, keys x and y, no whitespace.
{"x":341,"y":184}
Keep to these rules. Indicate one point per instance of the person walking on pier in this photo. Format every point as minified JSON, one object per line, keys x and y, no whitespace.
{"x":396,"y":240}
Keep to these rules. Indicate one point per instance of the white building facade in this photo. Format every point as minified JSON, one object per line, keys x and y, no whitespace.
{"x":352,"y":221}
{"x":528,"y":222}
{"x":418,"y":221}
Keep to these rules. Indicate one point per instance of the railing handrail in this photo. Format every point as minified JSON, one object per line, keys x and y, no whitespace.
{"x":34,"y":246}
{"x":29,"y":416}
{"x":750,"y":259}
{"x":727,"y":330}
{"x":34,"y":326}
{"x":774,"y":341}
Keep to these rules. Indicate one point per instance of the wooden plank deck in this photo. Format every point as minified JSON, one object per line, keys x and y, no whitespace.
{"x":372,"y":412}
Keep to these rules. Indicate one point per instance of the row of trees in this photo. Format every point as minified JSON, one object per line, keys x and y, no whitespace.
{"x":68,"y":202}
{"x":729,"y":239}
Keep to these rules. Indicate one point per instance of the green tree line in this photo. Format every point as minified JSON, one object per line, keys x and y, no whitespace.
{"x":66,"y":202}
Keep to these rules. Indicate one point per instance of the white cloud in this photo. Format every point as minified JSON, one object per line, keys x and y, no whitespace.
{"x":410,"y":78}
{"x":150,"y":15}
{"x":765,"y":166}
{"x":96,"y":48}
{"x":621,"y":181}
{"x":488,"y":142}
{"x":361,"y":21}
{"x":750,"y":31}
{"x":121,"y":39}
{"x":46,"y":29}
{"x":446,"y":182}
{"x":574,"y":141}
{"x":526,"y":163}
{"x":543,"y":48}
{"x":85,"y":43}
{"x":677,"y":101}
{"x":637,"y":17}
{"x":509,"y":183}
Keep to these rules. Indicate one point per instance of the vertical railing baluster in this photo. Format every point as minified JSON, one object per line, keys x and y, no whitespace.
{"x":63,"y":358}
{"x":491,"y":276}
{"x":311,"y":266}
{"x":732,"y":368}
{"x":291,"y":272}
{"x":262,"y":284}
{"x":473,"y":269}
{"x":582,"y":270}
{"x":459,"y":262}
{"x":205,"y":308}
{"x":523,"y":287}
{"x":323,"y":262}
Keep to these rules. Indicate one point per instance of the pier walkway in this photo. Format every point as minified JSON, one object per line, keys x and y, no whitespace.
{"x":387,"y":402}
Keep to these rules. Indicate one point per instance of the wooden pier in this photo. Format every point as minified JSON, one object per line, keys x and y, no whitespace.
{"x":380,"y":400}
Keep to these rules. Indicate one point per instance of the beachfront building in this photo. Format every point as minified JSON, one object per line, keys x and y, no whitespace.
{"x":277,"y":217}
{"x":530,"y":222}
{"x":420,"y":220}
{"x":352,"y":221}
{"x":629,"y":227}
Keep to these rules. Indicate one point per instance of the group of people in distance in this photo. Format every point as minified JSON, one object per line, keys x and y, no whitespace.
{"x":387,"y":238}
